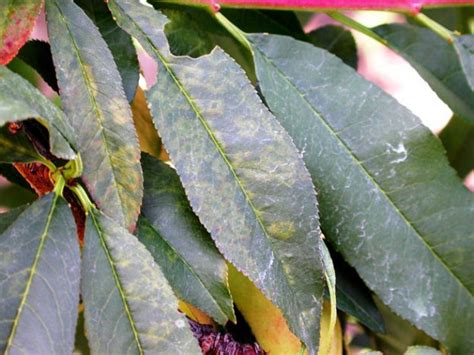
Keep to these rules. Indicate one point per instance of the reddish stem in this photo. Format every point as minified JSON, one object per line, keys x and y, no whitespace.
{"x":412,"y":6}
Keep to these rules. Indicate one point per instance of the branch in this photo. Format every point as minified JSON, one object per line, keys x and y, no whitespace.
{"x":412,"y":6}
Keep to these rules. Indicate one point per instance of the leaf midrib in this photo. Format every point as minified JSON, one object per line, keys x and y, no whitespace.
{"x":118,"y":283}
{"x":365,"y":171}
{"x":98,"y":112}
{"x":34,"y":267}
{"x":210,"y":133}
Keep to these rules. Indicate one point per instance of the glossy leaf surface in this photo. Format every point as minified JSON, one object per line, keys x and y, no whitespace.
{"x":39,"y":283}
{"x":129,"y":307}
{"x":443,"y":71}
{"x":390,"y":203}
{"x":465,"y":49}
{"x":16,"y":147}
{"x":20,"y":100}
{"x":242,"y":174}
{"x":97,"y":108}
{"x":181,"y":245}
{"x":17,"y":19}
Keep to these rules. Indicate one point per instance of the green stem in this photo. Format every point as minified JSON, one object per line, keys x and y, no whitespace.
{"x":437,"y":28}
{"x":345,"y":20}
{"x":83,"y":198}
{"x":237,"y":33}
{"x":59,"y":183}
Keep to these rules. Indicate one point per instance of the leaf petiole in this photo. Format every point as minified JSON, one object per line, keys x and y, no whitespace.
{"x":84,"y":199}
{"x":437,"y":28}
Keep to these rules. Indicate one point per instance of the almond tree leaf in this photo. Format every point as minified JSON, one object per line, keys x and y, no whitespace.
{"x":16,"y":147}
{"x":39,"y":283}
{"x":96,"y":106}
{"x":37,"y":54}
{"x":19,"y":100}
{"x":7,"y":218}
{"x":458,"y":140}
{"x":390,"y":202}
{"x":170,"y":230}
{"x":241,"y":172}
{"x":443,"y":71}
{"x":17,"y":19}
{"x":464,"y":46}
{"x":118,"y":41}
{"x":128,"y":306}
{"x":336,"y":40}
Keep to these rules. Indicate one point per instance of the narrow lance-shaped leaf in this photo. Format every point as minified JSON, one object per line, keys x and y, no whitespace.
{"x":119,"y":42}
{"x":128,"y":306}
{"x":96,"y":106}
{"x":17,"y":19}
{"x":16,"y":147}
{"x":458,"y":140}
{"x":242,"y":174}
{"x":19,"y":100}
{"x":464,"y":46}
{"x":39,"y":282}
{"x":181,"y":245}
{"x":390,"y":202}
{"x":443,"y":71}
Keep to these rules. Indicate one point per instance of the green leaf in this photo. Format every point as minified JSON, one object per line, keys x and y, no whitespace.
{"x":16,"y":147}
{"x":12,"y":195}
{"x":442,"y":71}
{"x":458,"y":140}
{"x":336,"y":40}
{"x":9,"y":217}
{"x":37,"y":54}
{"x":180,"y":244}
{"x":19,"y":100}
{"x":464,"y":46}
{"x":17,"y":19}
{"x":353,"y":296}
{"x":98,"y":110}
{"x":128,"y":306}
{"x":12,"y":175}
{"x":242,"y":174}
{"x":118,"y":41}
{"x":271,"y":21}
{"x":187,"y":36}
{"x":39,"y":282}
{"x":389,"y":201}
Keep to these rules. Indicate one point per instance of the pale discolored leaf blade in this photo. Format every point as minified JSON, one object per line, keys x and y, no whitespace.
{"x":181,"y":245}
{"x":19,"y":100}
{"x":443,"y":71}
{"x":390,"y":202}
{"x":241,"y":172}
{"x":39,"y":282}
{"x":94,"y":100}
{"x":17,"y":19}
{"x":128,"y":306}
{"x":464,"y":46}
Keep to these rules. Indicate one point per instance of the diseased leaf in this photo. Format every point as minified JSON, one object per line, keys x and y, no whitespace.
{"x":422,"y":350}
{"x":9,"y":217}
{"x":242,"y":174}
{"x":464,"y":46}
{"x":458,"y":140}
{"x":180,"y":244}
{"x":336,"y":40}
{"x":389,"y":201}
{"x":98,"y":110}
{"x":128,"y":306}
{"x":442,"y":71}
{"x":17,"y":19}
{"x":149,"y":140}
{"x":37,"y":54}
{"x":19,"y":100}
{"x":16,"y":147}
{"x":118,"y":41}
{"x":39,"y":282}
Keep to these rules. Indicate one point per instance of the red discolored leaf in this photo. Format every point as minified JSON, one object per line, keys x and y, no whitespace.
{"x":17,"y":20}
